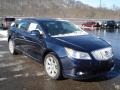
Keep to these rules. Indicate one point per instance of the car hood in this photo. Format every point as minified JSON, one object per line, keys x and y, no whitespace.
{"x":83,"y":42}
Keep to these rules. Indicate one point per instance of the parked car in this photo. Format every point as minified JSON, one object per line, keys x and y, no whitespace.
{"x":118,"y":24}
{"x":109,"y":24}
{"x":91,"y":24}
{"x":62,"y":47}
{"x":6,"y":22}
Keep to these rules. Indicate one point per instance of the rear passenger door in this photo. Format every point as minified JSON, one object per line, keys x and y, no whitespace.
{"x":21,"y":33}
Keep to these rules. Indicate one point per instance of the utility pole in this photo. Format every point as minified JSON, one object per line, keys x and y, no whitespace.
{"x":100,"y":3}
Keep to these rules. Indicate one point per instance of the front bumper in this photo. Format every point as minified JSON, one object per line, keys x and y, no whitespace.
{"x":86,"y":68}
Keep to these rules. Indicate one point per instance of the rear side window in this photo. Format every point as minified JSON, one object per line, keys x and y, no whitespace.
{"x":23,"y":25}
{"x":14,"y":24}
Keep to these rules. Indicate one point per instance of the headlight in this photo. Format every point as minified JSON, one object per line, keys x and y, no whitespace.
{"x":103,"y":54}
{"x":77,"y":54}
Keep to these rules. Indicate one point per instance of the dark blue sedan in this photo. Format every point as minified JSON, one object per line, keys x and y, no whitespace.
{"x":64,"y":49}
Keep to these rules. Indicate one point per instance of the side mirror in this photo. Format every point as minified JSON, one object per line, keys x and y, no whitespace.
{"x":36,"y":33}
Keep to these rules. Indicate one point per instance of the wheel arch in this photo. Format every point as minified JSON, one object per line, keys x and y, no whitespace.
{"x":9,"y":37}
{"x":47,"y":52}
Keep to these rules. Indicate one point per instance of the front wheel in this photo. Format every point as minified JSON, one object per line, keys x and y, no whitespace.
{"x":52,"y":66}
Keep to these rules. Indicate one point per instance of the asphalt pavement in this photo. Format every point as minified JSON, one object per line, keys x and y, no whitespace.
{"x":23,"y":73}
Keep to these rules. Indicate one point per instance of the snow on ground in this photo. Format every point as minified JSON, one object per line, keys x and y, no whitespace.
{"x":3,"y":35}
{"x":3,"y":32}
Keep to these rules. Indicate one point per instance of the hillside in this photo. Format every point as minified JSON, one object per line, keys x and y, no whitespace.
{"x":53,"y":8}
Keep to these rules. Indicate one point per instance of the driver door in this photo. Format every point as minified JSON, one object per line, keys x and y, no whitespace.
{"x":35,"y":41}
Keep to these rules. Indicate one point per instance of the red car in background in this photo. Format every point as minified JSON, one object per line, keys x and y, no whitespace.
{"x":91,"y":24}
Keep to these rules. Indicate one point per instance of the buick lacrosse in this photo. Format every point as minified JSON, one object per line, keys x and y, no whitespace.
{"x":64,"y":49}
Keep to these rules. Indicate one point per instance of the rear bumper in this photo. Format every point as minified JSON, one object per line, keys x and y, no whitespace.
{"x":86,"y":69}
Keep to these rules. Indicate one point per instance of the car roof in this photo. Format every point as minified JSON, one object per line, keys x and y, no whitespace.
{"x":44,"y":19}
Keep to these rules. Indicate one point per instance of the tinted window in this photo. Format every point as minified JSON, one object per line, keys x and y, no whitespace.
{"x":23,"y":25}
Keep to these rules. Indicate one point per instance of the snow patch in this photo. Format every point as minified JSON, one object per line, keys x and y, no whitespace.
{"x":18,"y":68}
{"x":1,"y":56}
{"x":11,"y":64}
{"x":117,"y":87}
{"x":3,"y":39}
{"x":4,"y":33}
{"x":2,"y":79}
{"x":26,"y":74}
{"x":19,"y":75}
{"x":40,"y":73}
{"x":4,"y":52}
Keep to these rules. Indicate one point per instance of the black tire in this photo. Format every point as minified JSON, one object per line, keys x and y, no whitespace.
{"x":12,"y":46}
{"x":58,"y":74}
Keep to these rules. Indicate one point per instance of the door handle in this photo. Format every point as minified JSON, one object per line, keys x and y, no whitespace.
{"x":33,"y":34}
{"x":23,"y":37}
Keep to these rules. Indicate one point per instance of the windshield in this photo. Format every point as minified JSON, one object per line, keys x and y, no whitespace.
{"x":61,"y":28}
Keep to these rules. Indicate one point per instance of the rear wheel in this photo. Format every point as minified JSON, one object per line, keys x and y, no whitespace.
{"x":52,"y":66}
{"x":12,"y":47}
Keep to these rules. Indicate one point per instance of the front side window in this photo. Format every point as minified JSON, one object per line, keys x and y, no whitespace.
{"x":32,"y":27}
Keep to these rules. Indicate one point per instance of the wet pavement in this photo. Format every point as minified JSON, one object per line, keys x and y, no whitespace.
{"x":22,"y":73}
